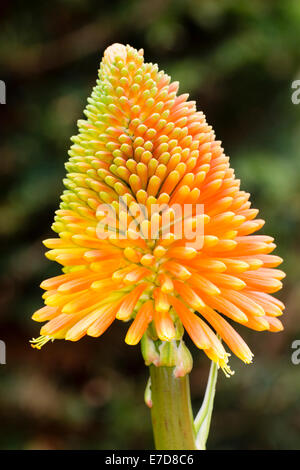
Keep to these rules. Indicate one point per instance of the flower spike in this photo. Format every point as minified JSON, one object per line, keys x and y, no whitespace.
{"x":153,"y":227}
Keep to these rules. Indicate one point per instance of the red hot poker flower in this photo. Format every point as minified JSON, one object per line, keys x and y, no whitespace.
{"x":141,"y":151}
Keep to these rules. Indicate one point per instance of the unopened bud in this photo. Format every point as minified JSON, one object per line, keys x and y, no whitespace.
{"x":167,"y":354}
{"x":184,"y":363}
{"x":147,"y":395}
{"x":149,"y":351}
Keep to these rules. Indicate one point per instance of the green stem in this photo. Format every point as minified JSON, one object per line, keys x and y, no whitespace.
{"x":171,"y":411}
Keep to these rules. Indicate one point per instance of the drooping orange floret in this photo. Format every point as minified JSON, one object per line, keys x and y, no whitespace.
{"x":143,"y":154}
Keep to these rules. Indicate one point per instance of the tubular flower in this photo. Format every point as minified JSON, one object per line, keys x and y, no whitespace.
{"x":142,"y":150}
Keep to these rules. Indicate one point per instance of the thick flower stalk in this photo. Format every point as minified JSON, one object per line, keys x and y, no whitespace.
{"x":142,"y":150}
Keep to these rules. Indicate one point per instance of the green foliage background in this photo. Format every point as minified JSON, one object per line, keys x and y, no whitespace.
{"x":237,"y":59}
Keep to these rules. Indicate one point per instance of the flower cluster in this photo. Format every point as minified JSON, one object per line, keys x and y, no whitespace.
{"x":142,"y":144}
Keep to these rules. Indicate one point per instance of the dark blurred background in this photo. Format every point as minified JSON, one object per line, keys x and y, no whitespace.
{"x":237,"y":59}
